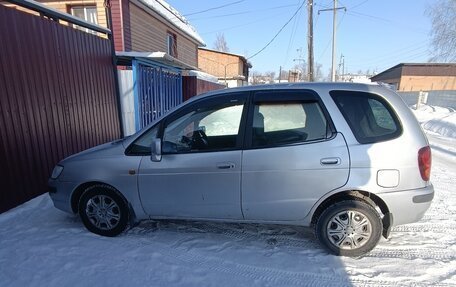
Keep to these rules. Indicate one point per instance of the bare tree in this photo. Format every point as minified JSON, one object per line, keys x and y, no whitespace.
{"x":302,"y":67}
{"x":443,"y":33}
{"x":255,"y":78}
{"x":283,"y":76}
{"x":318,"y":74}
{"x":269,"y":76}
{"x":329,"y":76}
{"x":220,"y":43}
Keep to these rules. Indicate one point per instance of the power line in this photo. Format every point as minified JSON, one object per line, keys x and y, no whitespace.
{"x":242,"y":25}
{"x":412,"y":57}
{"x":329,"y":41}
{"x":380,"y":19}
{"x":215,"y":8}
{"x":359,"y":4}
{"x":392,"y":55}
{"x":382,"y":65}
{"x":275,"y":36}
{"x":292,"y":36}
{"x":242,"y":12}
{"x":334,"y":32}
{"x":359,"y":14}
{"x":316,"y":21}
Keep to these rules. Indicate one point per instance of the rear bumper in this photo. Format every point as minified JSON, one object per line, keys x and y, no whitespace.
{"x":408,"y":206}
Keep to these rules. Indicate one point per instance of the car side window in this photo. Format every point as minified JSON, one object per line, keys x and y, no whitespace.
{"x":142,"y":145}
{"x":209,"y":128}
{"x":278,"y":123}
{"x":381,"y":116}
{"x":369,"y":116}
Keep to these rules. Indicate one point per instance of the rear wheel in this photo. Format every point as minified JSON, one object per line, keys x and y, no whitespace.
{"x":349,"y":228}
{"x":103,"y":211}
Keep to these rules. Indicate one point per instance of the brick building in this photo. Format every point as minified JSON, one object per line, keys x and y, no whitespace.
{"x":232,"y":70}
{"x":408,"y":77}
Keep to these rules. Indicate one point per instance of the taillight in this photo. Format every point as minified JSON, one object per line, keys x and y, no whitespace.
{"x":424,"y":162}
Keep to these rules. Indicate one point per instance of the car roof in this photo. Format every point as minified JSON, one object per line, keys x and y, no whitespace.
{"x":293,"y":86}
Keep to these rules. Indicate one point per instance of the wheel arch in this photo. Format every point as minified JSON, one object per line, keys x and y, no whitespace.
{"x":361,"y":195}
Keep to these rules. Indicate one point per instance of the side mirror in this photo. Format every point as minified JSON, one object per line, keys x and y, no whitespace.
{"x":156,"y":150}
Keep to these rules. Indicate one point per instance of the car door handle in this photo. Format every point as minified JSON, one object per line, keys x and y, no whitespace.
{"x":330,"y":160}
{"x":225,"y":165}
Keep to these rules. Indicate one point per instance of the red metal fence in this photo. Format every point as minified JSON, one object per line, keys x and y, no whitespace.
{"x":57,"y":97}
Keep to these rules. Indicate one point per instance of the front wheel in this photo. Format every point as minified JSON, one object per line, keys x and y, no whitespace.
{"x":103,"y":211}
{"x":349,"y":228}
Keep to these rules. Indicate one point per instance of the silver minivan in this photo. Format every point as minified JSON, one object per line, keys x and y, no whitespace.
{"x":348,"y":159}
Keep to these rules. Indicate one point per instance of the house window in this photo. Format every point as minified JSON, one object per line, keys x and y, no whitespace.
{"x":87,"y":13}
{"x":171,"y":44}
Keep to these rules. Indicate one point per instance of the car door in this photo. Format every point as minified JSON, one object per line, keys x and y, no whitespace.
{"x":293,"y":156}
{"x":199,"y":175}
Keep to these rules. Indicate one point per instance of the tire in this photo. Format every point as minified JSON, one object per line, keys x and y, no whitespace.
{"x":103,"y":210}
{"x":342,"y":237}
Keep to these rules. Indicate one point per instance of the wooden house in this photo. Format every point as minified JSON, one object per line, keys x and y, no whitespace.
{"x":140,"y":25}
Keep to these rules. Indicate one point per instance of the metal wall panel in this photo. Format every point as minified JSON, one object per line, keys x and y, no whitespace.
{"x":57,"y":97}
{"x":445,"y":99}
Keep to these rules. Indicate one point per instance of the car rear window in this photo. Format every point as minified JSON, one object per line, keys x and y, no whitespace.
{"x":369,"y":116}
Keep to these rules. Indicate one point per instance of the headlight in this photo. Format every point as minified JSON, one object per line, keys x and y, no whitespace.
{"x":57,"y":171}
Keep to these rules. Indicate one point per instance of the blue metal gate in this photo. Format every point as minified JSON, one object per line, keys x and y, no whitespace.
{"x":157,"y":89}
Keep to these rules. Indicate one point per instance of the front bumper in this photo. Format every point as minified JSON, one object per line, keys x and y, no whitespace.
{"x":408,"y":206}
{"x":60,"y":193}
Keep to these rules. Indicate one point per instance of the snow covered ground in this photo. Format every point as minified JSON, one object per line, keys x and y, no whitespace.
{"x":41,"y":246}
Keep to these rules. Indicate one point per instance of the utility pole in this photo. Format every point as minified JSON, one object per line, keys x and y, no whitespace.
{"x":333,"y":67}
{"x":280,"y":74}
{"x":310,"y":56}
{"x":342,"y":64}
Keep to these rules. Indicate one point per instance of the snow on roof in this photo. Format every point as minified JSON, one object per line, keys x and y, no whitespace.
{"x":222,"y":52}
{"x":203,"y":76}
{"x":124,"y":58}
{"x":174,"y":17}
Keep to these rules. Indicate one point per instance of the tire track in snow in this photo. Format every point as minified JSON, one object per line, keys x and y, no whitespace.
{"x":263,"y":276}
{"x":271,"y":276}
{"x":279,"y":239}
{"x":268,"y":276}
{"x":408,"y":253}
{"x":438,"y":227}
{"x":244,"y":234}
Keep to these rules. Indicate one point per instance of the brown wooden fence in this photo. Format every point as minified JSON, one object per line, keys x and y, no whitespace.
{"x":192,"y":86}
{"x":57,"y":97}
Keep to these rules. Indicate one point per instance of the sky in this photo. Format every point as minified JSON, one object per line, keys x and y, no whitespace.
{"x":372,"y":35}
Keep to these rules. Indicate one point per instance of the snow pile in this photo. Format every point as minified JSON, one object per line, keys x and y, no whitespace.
{"x":173,"y":16}
{"x":444,"y":126}
{"x":437,"y":120}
